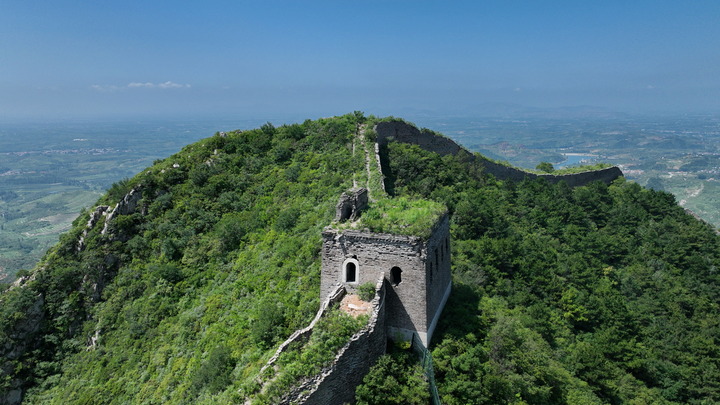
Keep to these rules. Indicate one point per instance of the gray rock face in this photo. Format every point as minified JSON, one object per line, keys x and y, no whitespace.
{"x":126,"y":206}
{"x":14,"y":397}
{"x":99,"y":212}
{"x":23,"y":334}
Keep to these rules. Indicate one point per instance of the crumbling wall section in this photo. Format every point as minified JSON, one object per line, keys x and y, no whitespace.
{"x":304,"y":333}
{"x":336,"y":383}
{"x":351,"y":203}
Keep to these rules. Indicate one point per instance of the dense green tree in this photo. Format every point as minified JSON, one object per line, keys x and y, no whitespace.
{"x":585,"y":295}
{"x":545,"y":167}
{"x":395,"y":379}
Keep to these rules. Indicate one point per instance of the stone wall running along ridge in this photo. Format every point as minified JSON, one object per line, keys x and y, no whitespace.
{"x":336,"y":383}
{"x":401,"y":131}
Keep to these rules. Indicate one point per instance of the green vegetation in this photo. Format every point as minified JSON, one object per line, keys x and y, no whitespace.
{"x":598,"y":294}
{"x":330,"y":334}
{"x":366,"y":292}
{"x":396,"y":378}
{"x":399,"y":215}
{"x":546,"y":167}
{"x":187,"y":301}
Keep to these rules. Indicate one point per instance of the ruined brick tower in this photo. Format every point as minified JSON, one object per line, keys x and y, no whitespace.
{"x":416,"y":271}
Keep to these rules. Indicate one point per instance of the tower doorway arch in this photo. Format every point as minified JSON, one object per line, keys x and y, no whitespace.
{"x":396,"y":275}
{"x":350,"y":271}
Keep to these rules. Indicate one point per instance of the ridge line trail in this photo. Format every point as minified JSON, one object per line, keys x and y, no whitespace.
{"x":361,"y":135}
{"x":357,"y":138}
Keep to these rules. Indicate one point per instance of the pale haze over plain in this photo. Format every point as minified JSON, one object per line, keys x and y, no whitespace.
{"x":319,"y":58}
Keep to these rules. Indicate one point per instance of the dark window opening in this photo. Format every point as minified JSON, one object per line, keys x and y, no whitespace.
{"x":346,"y":213}
{"x":396,"y":275}
{"x":350,"y":272}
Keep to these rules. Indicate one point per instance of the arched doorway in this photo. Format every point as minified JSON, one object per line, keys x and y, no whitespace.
{"x":396,"y":275}
{"x":350,"y":271}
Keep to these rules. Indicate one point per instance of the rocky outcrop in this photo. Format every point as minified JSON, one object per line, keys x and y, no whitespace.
{"x":99,"y":212}
{"x":126,"y":206}
{"x":400,"y":131}
{"x":22,"y":336}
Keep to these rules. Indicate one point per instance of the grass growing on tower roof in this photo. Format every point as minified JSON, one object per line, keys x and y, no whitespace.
{"x":400,"y":215}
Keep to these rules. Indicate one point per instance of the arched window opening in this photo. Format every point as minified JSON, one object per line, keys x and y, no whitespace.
{"x":350,"y":272}
{"x":396,"y":275}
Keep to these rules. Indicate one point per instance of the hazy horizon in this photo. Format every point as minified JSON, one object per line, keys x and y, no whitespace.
{"x":69,"y":59}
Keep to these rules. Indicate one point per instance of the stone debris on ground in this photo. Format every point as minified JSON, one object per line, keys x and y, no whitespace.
{"x":353,"y":305}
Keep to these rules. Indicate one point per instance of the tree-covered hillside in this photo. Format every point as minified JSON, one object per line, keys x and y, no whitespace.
{"x":183,"y":300}
{"x":599,"y":294}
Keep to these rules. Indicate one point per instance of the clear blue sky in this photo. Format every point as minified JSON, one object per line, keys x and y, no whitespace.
{"x":319,"y":58}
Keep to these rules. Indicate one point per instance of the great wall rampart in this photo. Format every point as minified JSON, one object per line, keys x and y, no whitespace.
{"x":396,"y":310}
{"x":336,"y":383}
{"x":401,"y":131}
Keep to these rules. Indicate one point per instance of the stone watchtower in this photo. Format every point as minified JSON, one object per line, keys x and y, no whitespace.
{"x":416,"y":271}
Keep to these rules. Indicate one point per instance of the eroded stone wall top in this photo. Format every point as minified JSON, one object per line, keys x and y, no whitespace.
{"x":351,"y":203}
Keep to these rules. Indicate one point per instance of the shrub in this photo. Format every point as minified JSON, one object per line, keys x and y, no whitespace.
{"x":366,"y":292}
{"x":214,"y":373}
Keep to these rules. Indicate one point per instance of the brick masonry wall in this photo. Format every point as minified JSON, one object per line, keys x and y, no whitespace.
{"x":439,"y":276}
{"x":403,"y":132}
{"x":336,"y":384}
{"x":376,"y":254}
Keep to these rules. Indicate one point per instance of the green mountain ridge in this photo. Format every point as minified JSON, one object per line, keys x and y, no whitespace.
{"x":594,"y":294}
